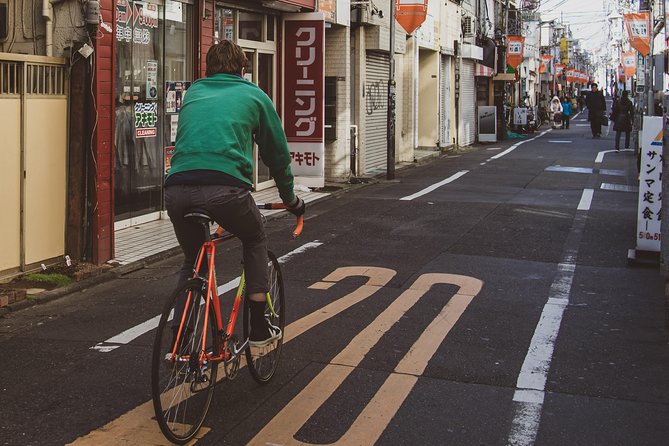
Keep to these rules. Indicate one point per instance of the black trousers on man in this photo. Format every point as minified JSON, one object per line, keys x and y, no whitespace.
{"x":595,"y":125}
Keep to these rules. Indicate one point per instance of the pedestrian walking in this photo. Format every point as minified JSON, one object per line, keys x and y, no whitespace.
{"x":566,"y":112}
{"x":596,"y":110}
{"x":622,"y":116}
{"x":556,"y":111}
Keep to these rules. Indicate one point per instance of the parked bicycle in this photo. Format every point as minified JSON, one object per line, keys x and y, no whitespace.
{"x":192,"y":346}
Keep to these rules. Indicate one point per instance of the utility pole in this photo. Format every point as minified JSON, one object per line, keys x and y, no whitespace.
{"x":390,"y":128}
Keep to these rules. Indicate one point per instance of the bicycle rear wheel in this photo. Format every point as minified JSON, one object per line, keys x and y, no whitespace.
{"x":263,"y":361}
{"x":182,"y":384}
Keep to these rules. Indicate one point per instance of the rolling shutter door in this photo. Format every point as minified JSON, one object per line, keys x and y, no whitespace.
{"x":376,"y":111}
{"x":445,"y":111}
{"x":467,"y":124}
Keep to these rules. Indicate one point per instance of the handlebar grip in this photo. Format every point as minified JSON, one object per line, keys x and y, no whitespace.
{"x":277,"y":206}
{"x":300,"y":225}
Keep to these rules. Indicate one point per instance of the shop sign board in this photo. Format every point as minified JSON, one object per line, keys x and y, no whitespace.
{"x":146,"y":118}
{"x":304,"y":96}
{"x":134,"y":21}
{"x":649,"y":215}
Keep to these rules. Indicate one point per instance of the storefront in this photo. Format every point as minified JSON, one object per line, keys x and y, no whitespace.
{"x":154,"y":68}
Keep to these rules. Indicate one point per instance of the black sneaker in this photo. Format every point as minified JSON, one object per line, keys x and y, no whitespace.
{"x":265,"y":335}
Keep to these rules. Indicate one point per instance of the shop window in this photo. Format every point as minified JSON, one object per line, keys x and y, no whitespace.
{"x":330,"y":108}
{"x":271,"y":21}
{"x":251,"y":26}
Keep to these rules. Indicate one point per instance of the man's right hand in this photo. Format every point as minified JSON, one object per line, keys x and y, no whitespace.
{"x":296,"y":207}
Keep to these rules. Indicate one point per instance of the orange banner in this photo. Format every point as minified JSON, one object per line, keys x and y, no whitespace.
{"x":410,"y":14}
{"x":638,"y":28}
{"x":629,"y":63}
{"x":515,"y":48}
{"x":559,"y":68}
{"x":545,"y":62}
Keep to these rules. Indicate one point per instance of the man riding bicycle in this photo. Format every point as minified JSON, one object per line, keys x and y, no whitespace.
{"x":212,"y":170}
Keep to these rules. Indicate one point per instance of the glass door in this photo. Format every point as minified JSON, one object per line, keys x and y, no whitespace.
{"x":138,"y":173}
{"x":256,"y":34}
{"x":260,"y":70}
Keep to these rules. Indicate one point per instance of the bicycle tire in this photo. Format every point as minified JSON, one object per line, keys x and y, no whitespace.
{"x":181,"y":389}
{"x":262,"y":362}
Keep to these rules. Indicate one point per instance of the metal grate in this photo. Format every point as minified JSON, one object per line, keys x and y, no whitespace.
{"x":45,"y":79}
{"x":10,"y":78}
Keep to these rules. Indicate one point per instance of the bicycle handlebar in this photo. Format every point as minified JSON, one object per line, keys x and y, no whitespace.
{"x":300,"y":219}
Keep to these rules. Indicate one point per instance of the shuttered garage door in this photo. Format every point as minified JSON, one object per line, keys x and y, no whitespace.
{"x":467,"y":106}
{"x":376,"y":109}
{"x":445,"y":110}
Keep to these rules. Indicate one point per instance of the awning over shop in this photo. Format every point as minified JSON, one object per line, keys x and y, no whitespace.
{"x":483,"y":71}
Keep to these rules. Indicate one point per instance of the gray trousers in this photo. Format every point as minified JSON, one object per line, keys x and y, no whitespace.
{"x":235,"y":210}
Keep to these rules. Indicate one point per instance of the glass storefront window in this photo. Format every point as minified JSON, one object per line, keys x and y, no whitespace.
{"x":154,"y":48}
{"x":251,"y":26}
{"x":270,"y":28}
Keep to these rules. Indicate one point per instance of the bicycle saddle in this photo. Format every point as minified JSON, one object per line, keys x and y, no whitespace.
{"x":199,"y":215}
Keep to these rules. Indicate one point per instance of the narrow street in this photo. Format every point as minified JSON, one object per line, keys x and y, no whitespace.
{"x":483,"y":298}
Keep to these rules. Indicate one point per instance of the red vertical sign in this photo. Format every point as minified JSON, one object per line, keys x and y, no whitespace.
{"x":304,"y":96}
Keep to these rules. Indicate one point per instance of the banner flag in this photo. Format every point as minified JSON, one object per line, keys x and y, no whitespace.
{"x":515,"y":47}
{"x":629,"y":63}
{"x":559,"y":69}
{"x":545,"y":63}
{"x":638,"y":28}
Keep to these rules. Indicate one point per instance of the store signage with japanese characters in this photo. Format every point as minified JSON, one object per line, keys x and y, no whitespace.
{"x":638,"y":28}
{"x":304,"y":105}
{"x":135,"y":20}
{"x":649,"y":215}
{"x":515,"y":47}
{"x":146,"y":118}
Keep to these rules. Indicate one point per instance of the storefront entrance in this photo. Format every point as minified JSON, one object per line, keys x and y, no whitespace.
{"x":255,"y":32}
{"x":154,"y":68}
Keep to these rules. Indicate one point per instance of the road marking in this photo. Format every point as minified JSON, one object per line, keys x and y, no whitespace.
{"x":518,"y":144}
{"x":133,"y":333}
{"x":528,"y":399}
{"x":568,"y":169}
{"x":619,"y":187}
{"x":377,"y":414}
{"x":586,"y":200}
{"x":462,"y":172}
{"x":435,"y":186}
{"x":560,"y":141}
{"x":138,"y":423}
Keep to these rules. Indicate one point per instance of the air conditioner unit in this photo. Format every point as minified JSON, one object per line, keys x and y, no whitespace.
{"x":469,"y":26}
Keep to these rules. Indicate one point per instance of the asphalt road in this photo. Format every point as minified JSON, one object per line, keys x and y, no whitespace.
{"x":480,"y":299}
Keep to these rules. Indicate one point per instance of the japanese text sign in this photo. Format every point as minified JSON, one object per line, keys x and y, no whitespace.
{"x":304,"y":96}
{"x":629,"y":63}
{"x":638,"y":28}
{"x":515,"y":46}
{"x":649,"y":215}
{"x":410,"y":14}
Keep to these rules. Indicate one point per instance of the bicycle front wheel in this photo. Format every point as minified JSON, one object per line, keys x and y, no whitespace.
{"x":263,"y":361}
{"x":183,"y":377}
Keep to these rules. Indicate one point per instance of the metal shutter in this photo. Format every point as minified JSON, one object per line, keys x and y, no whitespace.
{"x":467,"y":105}
{"x":376,"y":111}
{"x":445,"y":102}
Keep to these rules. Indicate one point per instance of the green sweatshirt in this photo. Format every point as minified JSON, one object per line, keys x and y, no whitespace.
{"x":219,"y":118}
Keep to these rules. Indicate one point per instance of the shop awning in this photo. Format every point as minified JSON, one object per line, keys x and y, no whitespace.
{"x":505,"y":77}
{"x":482,"y":70}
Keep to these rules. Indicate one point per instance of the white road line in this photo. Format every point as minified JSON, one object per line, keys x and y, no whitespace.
{"x":518,"y":144}
{"x":586,"y":200}
{"x":619,"y":187}
{"x":560,"y":142}
{"x":435,"y":186}
{"x":133,"y":333}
